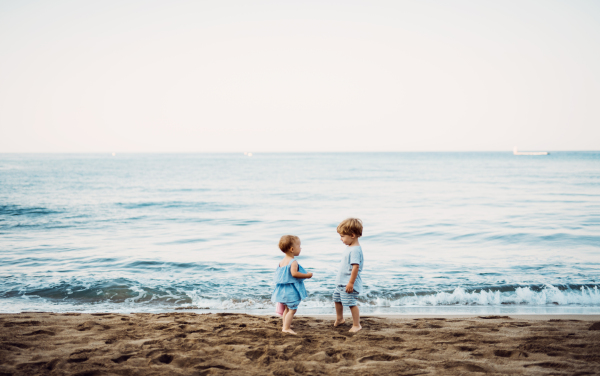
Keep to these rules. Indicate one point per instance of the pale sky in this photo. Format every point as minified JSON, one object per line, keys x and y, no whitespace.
{"x":279,"y":76}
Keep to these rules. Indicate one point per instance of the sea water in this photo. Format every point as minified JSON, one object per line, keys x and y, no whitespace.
{"x":443,"y":232}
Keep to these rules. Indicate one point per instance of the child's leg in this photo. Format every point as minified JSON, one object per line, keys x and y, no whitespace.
{"x":287,"y":321}
{"x":355,"y":319}
{"x":339,"y":308}
{"x":339,"y":312}
{"x":285,"y":311}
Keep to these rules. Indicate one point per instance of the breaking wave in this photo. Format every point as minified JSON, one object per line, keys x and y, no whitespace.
{"x":129,"y":295}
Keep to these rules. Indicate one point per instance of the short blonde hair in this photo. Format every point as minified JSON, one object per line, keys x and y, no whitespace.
{"x":350,"y":226}
{"x":287,"y":241}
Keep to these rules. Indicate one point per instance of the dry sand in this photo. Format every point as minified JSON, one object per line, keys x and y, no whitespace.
{"x":238,"y":344}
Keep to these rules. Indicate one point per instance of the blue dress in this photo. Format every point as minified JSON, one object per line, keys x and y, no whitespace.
{"x":288,"y":290}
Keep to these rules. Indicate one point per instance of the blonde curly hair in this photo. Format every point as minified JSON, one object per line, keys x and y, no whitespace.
{"x":350,"y":226}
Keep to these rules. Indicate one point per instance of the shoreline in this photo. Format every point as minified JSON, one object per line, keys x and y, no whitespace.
{"x":187,"y":343}
{"x":271,"y":313}
{"x":533,"y":316}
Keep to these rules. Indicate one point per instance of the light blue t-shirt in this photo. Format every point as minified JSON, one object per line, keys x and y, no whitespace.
{"x":352,"y":255}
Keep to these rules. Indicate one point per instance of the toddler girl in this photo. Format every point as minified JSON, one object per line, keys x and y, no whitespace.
{"x":289,"y":280}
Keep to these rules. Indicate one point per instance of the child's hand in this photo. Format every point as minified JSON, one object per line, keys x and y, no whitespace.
{"x":310,"y":275}
{"x":349,"y":287}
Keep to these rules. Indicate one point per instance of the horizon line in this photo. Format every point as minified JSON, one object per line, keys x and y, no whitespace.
{"x":286,"y":152}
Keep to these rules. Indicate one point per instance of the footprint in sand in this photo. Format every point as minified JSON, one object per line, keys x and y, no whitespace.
{"x":31,"y":368}
{"x":511,"y":354}
{"x":464,"y":366}
{"x":378,"y":358}
{"x":89,"y":325}
{"x":208,"y":368}
{"x":40,"y":332}
{"x":164,"y":359}
{"x":254,"y":354}
{"x":22,"y":323}
{"x":13,"y":346}
{"x":122,"y":358}
{"x":552,"y":365}
{"x":79,"y":356}
{"x":595,"y":326}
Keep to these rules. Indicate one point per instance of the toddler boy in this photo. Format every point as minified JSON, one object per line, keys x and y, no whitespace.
{"x":348,"y":283}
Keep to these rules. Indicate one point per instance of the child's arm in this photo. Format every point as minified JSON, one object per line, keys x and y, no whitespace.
{"x":353,"y":275}
{"x":296,"y":273}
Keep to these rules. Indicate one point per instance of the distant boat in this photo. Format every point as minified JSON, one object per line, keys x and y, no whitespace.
{"x":517,"y":152}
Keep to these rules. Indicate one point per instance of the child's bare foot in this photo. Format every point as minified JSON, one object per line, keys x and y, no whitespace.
{"x":355,"y":329}
{"x":338,"y":322}
{"x":288,"y":331}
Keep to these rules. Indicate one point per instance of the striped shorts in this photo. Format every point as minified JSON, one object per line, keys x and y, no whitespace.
{"x":341,"y":296}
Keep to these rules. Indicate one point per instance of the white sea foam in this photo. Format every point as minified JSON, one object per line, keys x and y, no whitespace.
{"x":550,"y":299}
{"x":526,"y":296}
{"x":521,"y":295}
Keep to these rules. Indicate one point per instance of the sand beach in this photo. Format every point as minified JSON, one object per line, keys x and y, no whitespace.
{"x":239,"y":344}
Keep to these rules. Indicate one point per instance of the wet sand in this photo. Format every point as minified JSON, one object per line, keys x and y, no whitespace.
{"x":237,"y":344}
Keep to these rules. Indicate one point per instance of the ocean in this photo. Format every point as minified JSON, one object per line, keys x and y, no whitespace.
{"x":472,"y":233}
